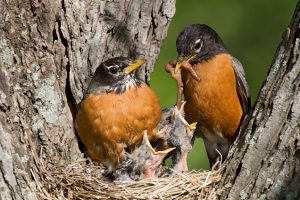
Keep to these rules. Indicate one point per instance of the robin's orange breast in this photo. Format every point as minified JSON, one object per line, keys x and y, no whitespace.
{"x":213,"y":102}
{"x":108,"y":123}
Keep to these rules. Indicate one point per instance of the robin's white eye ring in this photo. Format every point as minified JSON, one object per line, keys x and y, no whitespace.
{"x":197,"y":46}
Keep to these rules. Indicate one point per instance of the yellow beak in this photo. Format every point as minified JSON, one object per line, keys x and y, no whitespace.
{"x":137,"y":63}
{"x":153,"y":150}
{"x":192,"y":126}
{"x":186,"y":59}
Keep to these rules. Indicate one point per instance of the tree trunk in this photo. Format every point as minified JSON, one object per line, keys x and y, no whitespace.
{"x":48,"y":52}
{"x":265,"y":160}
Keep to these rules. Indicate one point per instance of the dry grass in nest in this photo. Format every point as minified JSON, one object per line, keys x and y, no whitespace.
{"x":84,"y":180}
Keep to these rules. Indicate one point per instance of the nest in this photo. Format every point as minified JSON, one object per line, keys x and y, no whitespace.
{"x":84,"y":180}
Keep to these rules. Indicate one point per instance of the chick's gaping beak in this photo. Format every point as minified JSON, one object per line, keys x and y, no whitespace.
{"x":137,"y":63}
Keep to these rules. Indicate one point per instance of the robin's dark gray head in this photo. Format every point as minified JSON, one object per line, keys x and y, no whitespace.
{"x":197,"y":43}
{"x":115,"y":75}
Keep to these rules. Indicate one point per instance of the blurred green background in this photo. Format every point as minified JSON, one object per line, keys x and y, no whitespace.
{"x":250,"y":29}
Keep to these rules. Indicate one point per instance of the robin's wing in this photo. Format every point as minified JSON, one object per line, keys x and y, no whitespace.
{"x":242,"y":85}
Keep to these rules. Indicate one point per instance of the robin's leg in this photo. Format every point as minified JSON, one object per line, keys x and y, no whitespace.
{"x":224,"y":149}
{"x":216,"y":151}
{"x":177,"y":77}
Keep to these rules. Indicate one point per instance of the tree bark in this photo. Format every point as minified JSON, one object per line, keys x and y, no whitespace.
{"x":48,"y":52}
{"x":265,"y":160}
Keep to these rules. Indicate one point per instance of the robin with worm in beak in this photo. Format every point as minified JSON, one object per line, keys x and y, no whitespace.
{"x":115,"y":111}
{"x":214,"y":86}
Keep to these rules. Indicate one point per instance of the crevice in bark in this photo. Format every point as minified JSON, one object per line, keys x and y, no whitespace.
{"x":64,"y":41}
{"x":297,"y":153}
{"x":69,"y":94}
{"x":238,"y":170}
{"x":72,"y":106}
{"x":57,"y":34}
{"x":68,"y":90}
{"x":153,"y":23}
{"x":54,"y":35}
{"x":63,"y":6}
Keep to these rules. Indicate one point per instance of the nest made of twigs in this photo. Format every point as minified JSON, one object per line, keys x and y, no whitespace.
{"x":84,"y":180}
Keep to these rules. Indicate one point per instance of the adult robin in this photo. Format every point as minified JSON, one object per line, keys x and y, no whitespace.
{"x":214,"y":85}
{"x":115,"y":111}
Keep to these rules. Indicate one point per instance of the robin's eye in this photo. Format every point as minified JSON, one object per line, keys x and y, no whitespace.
{"x":197,"y":46}
{"x":113,"y":70}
